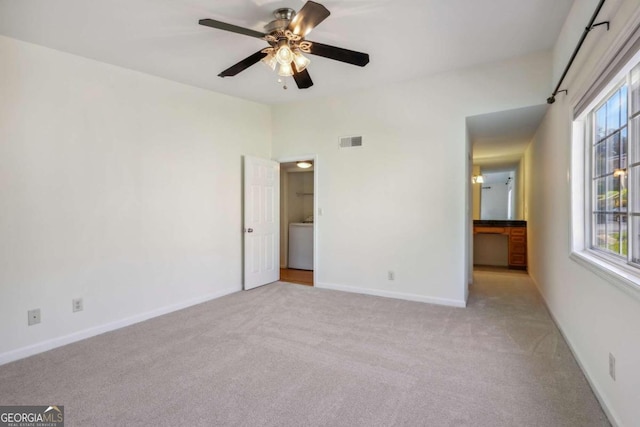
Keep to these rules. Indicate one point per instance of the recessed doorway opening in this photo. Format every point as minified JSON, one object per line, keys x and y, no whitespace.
{"x":497,"y":208}
{"x":297,"y":220}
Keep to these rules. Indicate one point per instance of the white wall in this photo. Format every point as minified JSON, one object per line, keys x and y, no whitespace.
{"x":520,"y":190}
{"x":399,"y":203}
{"x":300,"y":196}
{"x":117,"y":187}
{"x":476,"y":190}
{"x":595,"y":316}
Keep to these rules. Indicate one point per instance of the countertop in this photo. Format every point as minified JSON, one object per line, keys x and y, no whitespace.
{"x":499,"y":223}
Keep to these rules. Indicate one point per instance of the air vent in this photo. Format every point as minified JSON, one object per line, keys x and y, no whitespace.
{"x":350,"y":141}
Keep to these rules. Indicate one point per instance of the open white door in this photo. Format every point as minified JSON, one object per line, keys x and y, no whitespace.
{"x":261,"y":222}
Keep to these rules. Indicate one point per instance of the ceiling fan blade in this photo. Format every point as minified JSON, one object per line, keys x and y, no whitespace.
{"x":308,"y":17}
{"x":243,"y":65}
{"x":229,"y":27}
{"x":302,"y":78}
{"x":340,"y":54}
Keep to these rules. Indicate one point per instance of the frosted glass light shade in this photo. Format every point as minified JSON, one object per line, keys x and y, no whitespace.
{"x":270,"y":61}
{"x":301,"y":61}
{"x":285,"y":70}
{"x":284,"y":55}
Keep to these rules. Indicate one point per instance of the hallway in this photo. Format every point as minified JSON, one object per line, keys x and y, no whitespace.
{"x":507,"y":317}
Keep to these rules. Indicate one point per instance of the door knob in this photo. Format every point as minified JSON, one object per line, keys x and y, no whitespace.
{"x":249,"y":230}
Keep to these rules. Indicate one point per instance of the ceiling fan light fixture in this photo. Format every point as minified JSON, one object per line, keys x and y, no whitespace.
{"x":300,"y":60}
{"x":305,"y":164}
{"x":285,"y":70}
{"x":286,"y":44}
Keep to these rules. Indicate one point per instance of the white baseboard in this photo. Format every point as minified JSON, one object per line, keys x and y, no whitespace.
{"x":50,"y":344}
{"x":391,"y":294}
{"x":604,"y":403}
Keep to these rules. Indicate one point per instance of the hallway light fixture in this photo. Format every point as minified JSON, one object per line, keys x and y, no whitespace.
{"x":477,"y":179}
{"x":305,"y":164}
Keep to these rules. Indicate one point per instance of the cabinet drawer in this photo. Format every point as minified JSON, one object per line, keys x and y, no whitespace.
{"x":518,"y":259}
{"x":490,"y":230}
{"x":518,"y":231}
{"x":518,"y":249}
{"x":518,"y":239}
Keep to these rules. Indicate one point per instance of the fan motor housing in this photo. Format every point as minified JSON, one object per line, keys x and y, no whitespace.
{"x":283,"y":18}
{"x":284,"y":13}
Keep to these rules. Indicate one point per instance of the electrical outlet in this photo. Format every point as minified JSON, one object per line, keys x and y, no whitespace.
{"x":33,"y":316}
{"x":612,"y":366}
{"x":391,"y":275}
{"x":77,"y":305}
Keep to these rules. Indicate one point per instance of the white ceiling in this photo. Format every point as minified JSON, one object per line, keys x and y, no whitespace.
{"x":499,"y":139}
{"x":405,"y":38}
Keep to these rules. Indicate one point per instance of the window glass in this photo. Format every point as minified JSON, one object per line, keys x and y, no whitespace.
{"x":600,"y":159}
{"x":623,"y":103}
{"x":613,"y":153}
{"x":613,"y":113}
{"x":609,"y":175}
{"x":601,"y":123}
{"x":623,"y":148}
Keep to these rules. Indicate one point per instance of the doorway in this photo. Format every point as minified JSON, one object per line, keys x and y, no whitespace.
{"x":297,"y":220}
{"x":496,"y":148}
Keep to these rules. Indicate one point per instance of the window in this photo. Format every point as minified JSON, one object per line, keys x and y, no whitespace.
{"x":611,"y":153}
{"x":605,"y":166}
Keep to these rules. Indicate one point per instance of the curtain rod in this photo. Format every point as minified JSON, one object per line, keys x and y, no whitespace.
{"x":589,"y":27}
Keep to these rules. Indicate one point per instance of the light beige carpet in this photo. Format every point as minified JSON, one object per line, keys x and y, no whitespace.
{"x":290,"y":355}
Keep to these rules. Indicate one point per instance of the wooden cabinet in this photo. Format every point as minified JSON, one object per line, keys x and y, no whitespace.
{"x":518,"y":248}
{"x":517,"y":235}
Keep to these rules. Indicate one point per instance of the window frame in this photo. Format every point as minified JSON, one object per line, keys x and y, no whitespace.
{"x":616,"y":269}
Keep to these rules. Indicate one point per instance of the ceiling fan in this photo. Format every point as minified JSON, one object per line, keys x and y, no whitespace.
{"x":287,"y":44}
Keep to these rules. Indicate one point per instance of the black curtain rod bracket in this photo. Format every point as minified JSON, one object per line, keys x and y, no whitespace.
{"x":590,"y":26}
{"x":598,"y":24}
{"x":552,"y":98}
